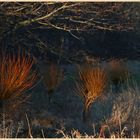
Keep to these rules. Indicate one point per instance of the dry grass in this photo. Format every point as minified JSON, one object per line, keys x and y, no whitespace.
{"x":16,"y":77}
{"x":53,"y":78}
{"x":124,"y":117}
{"x":122,"y":108}
{"x":92,"y":83}
{"x":73,"y":134}
{"x":6,"y":131}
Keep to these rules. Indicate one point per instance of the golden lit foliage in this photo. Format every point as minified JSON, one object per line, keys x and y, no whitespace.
{"x":16,"y":75}
{"x":118,"y":71}
{"x":53,"y":77}
{"x":92,"y":84}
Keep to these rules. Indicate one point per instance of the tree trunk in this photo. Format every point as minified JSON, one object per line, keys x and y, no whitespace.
{"x":1,"y":104}
{"x":85,"y":115}
{"x":50,"y":93}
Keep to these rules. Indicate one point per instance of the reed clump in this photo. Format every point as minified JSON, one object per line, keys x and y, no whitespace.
{"x":16,"y":77}
{"x":93,"y":81}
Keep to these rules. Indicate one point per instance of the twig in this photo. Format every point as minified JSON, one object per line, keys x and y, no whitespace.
{"x":17,"y":132}
{"x":42,"y":133}
{"x":29,"y":127}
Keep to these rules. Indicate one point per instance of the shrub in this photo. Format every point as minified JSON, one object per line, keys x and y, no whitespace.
{"x":52,"y":79}
{"x":118,"y":72}
{"x":92,"y":83}
{"x":16,"y":77}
